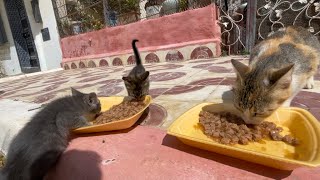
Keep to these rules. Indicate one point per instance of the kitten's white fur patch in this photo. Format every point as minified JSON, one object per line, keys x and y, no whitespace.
{"x":263,"y":49}
{"x":297,"y":83}
{"x":310,"y":83}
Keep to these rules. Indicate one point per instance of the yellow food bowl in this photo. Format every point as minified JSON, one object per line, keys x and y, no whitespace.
{"x":107,"y":103}
{"x":277,"y":154}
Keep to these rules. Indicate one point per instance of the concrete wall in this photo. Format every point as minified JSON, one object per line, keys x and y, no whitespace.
{"x":181,"y":32}
{"x":49,"y":52}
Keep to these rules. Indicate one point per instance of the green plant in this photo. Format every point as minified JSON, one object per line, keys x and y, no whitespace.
{"x":124,"y":6}
{"x":130,"y":6}
{"x":65,"y":29}
{"x":183,"y":5}
{"x":224,"y":53}
{"x":91,"y":18}
{"x":244,"y":52}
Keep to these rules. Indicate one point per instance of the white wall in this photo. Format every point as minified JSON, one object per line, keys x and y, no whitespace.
{"x":49,"y":52}
{"x":143,"y":14}
{"x":8,"y":54}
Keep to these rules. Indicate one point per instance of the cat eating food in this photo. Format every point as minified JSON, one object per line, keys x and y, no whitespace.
{"x":137,"y":82}
{"x":279,"y":67}
{"x":38,"y":146}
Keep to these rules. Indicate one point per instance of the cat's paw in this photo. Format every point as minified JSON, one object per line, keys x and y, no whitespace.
{"x":310,"y":83}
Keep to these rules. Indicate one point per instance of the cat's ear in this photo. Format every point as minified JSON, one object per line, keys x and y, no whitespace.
{"x":76,"y":92}
{"x":240,"y":68}
{"x":145,"y":75}
{"x":281,"y":78}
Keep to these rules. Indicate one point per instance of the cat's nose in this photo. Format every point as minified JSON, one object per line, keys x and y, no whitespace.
{"x":251,"y":120}
{"x":246,"y":117}
{"x":137,"y":95}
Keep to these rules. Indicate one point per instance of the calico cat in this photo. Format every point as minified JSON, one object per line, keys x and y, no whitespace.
{"x":137,"y":82}
{"x":279,"y":67}
{"x":38,"y":146}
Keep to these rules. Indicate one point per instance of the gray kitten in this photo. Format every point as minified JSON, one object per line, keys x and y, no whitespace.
{"x":137,"y":82}
{"x":279,"y":67}
{"x":38,"y":146}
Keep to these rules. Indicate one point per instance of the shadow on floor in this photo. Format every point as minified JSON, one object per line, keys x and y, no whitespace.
{"x":77,"y":165}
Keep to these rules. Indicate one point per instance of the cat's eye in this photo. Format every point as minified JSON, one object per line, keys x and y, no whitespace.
{"x":260,"y":114}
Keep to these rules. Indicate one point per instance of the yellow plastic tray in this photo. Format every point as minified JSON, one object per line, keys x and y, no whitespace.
{"x":107,"y":103}
{"x":277,"y":154}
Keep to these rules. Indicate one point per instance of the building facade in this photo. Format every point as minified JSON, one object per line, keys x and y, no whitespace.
{"x":29,"y":38}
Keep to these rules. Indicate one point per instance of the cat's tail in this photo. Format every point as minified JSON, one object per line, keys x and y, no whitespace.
{"x":136,"y":52}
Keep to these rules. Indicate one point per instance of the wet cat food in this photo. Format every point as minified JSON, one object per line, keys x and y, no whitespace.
{"x":121,"y":111}
{"x":227,"y":128}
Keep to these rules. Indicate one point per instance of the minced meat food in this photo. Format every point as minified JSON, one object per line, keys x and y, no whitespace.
{"x":227,"y":128}
{"x":121,"y":111}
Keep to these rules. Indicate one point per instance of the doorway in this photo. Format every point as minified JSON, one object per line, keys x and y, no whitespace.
{"x":22,"y":36}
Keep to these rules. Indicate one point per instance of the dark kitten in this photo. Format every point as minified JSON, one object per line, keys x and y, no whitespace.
{"x":39,"y":144}
{"x":137,"y":82}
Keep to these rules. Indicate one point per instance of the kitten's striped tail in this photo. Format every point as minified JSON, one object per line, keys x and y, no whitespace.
{"x":136,"y":52}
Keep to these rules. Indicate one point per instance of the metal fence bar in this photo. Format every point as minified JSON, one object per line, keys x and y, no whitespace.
{"x":251,"y":24}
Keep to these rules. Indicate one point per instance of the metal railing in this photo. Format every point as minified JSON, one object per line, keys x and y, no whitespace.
{"x":275,"y":14}
{"x":244,"y":23}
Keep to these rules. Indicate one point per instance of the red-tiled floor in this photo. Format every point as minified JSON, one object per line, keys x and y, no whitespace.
{"x":148,"y":153}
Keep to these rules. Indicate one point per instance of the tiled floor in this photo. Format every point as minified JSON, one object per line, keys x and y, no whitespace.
{"x":175,"y":87}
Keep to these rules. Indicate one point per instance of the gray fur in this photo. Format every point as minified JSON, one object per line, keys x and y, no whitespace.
{"x":137,"y":82}
{"x":274,"y":78}
{"x":38,"y":146}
